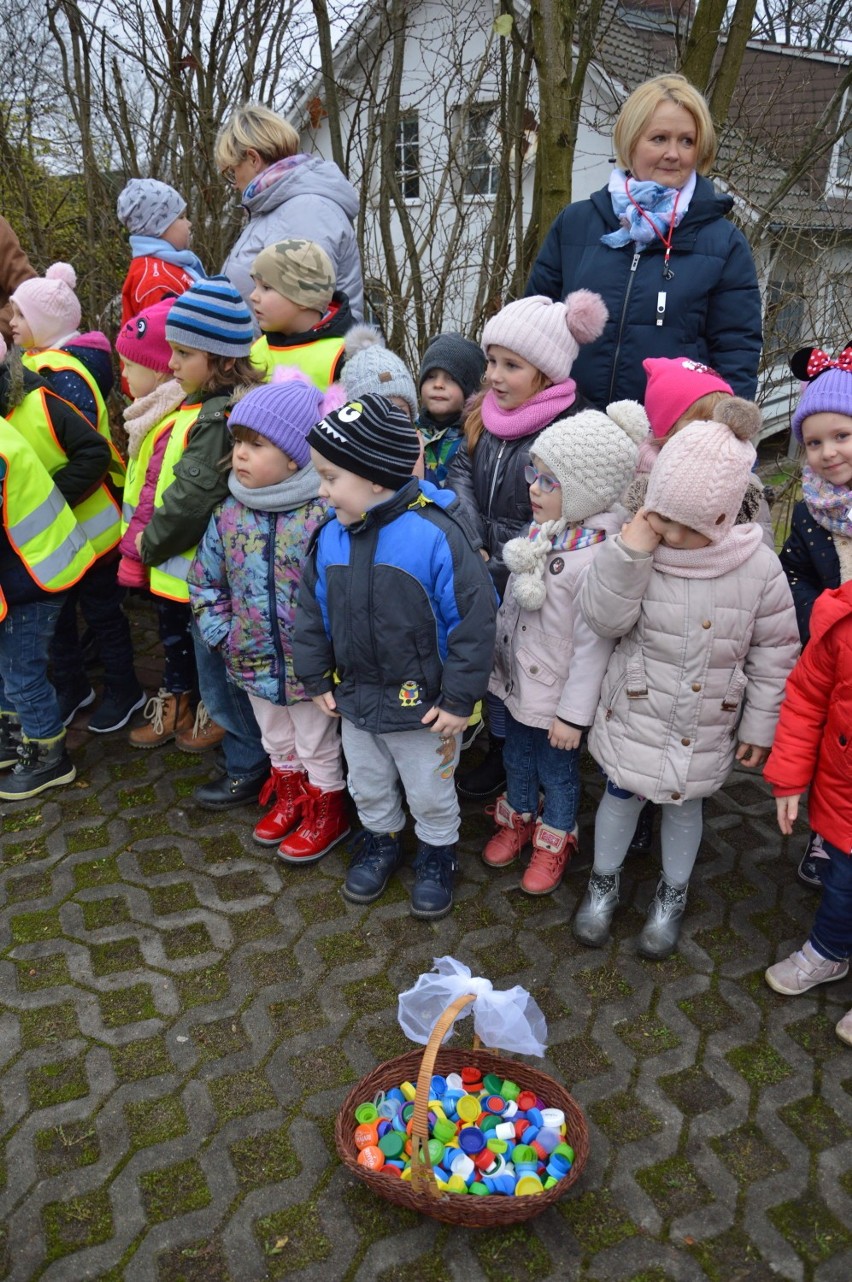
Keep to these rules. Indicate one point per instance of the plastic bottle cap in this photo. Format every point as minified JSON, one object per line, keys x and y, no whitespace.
{"x":526,"y":1099}
{"x":511,"y":1108}
{"x":366,"y":1135}
{"x":504,"y":1131}
{"x":528,"y":1184}
{"x":510,"y":1090}
{"x":438,"y":1086}
{"x":468,"y":1108}
{"x":552,"y":1118}
{"x":443,"y":1130}
{"x":471,"y":1140}
{"x":462,"y":1165}
{"x":496,"y":1146}
{"x":455,"y":1184}
{"x":391,"y":1144}
{"x":481,"y":1190}
{"x":408,"y":1090}
{"x":494,"y":1103}
{"x":534,"y":1115}
{"x":390,"y":1168}
{"x":564,"y":1150}
{"x":454,"y":1082}
{"x":436,"y":1151}
{"x":488,"y":1122}
{"x":366,"y":1113}
{"x":372,"y":1157}
{"x":485,"y":1160}
{"x":492,"y":1083}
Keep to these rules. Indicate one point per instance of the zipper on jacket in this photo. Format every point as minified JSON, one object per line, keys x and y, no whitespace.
{"x":273,"y":609}
{"x":622,"y":318}
{"x":494,"y":477}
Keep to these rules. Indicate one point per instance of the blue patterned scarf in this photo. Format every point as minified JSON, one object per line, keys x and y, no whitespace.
{"x":654,"y":200}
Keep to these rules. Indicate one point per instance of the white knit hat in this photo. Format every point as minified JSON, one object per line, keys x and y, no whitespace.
{"x":548,"y":334}
{"x":371,"y":368}
{"x":49,"y":305}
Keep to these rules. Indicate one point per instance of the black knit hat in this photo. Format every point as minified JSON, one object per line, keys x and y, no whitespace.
{"x":371,"y":438}
{"x":463,"y":360}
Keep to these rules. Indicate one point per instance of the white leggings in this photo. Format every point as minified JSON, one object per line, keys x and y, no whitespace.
{"x":680,"y":835}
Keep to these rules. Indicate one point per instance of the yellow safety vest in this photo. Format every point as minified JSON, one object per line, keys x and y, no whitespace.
{"x":316,"y":360}
{"x":168,"y":579}
{"x":39,"y":523}
{"x":98,"y":514}
{"x":137,"y":469}
{"x":57,"y":360}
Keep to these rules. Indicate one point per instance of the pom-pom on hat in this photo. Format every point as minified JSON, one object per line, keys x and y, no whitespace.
{"x":548,"y":334}
{"x":148,"y":207}
{"x":370,"y":437}
{"x":462,"y":359}
{"x":142,"y":338}
{"x":283,"y":411}
{"x":371,"y":369}
{"x":212,"y":317}
{"x":593,"y":456}
{"x":299,"y":270}
{"x":701,"y":476}
{"x":49,"y":305}
{"x":675,"y":383}
{"x":829,"y":384}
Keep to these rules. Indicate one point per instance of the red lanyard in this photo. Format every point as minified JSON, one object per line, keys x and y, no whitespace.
{"x":667,"y":240}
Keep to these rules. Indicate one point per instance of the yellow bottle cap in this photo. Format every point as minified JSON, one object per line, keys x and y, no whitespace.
{"x":468,"y":1108}
{"x":528,"y":1184}
{"x":408,"y":1090}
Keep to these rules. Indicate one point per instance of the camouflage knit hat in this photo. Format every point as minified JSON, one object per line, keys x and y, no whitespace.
{"x":299,"y":270}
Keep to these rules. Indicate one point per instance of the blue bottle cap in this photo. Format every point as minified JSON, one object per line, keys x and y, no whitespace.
{"x":471,"y":1139}
{"x":438,"y":1087}
{"x":395,"y":1093}
{"x":534,"y":1116}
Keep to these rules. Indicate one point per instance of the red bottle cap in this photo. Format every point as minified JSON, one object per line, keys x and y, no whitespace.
{"x":526,"y":1100}
{"x":520,"y":1126}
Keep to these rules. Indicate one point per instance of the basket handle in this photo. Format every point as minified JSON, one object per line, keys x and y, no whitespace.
{"x":421,"y":1163}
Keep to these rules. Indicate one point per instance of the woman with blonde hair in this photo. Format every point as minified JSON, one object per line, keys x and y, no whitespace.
{"x":285,"y":194}
{"x":677,"y":277}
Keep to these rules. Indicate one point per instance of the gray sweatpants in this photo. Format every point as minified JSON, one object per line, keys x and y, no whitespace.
{"x":421,"y":763}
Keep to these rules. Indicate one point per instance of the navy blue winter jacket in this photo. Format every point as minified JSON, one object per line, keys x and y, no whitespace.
{"x":811,"y":564}
{"x":396,"y":614}
{"x":710,"y":309}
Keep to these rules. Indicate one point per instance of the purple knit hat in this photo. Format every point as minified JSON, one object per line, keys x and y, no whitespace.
{"x":283,"y":411}
{"x":828,"y":393}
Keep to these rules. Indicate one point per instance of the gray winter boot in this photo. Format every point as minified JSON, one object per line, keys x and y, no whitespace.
{"x":41,"y":764}
{"x":10,"y":740}
{"x":662,"y":926}
{"x":592,"y":922}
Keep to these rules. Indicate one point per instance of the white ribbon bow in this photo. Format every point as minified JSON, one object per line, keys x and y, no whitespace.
{"x":510,"y":1020}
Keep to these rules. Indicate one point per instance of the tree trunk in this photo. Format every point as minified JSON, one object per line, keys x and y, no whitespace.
{"x":697,"y":64}
{"x":329,"y":83}
{"x":733,"y":52}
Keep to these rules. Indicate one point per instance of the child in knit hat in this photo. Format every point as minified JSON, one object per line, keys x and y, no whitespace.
{"x":394,"y":635}
{"x":548,"y":664}
{"x":243,"y":588}
{"x":818,"y":552}
{"x":370,"y":369}
{"x":707,"y":639}
{"x":149,"y":420}
{"x":450,"y":374}
{"x":210,"y":332}
{"x":530,"y":347}
{"x":162,"y":263}
{"x":302,"y":317}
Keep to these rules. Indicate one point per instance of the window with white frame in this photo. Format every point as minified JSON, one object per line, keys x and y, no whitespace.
{"x":481,"y":151}
{"x":785,"y":314}
{"x":407,"y":156}
{"x":842,"y":166}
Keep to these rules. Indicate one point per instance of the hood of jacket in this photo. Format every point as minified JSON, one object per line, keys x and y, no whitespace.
{"x":336,"y":322}
{"x":832,"y":607}
{"x":312,"y":177}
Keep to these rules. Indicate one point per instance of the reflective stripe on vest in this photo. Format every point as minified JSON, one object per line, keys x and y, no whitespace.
{"x":40,"y":525}
{"x":169,"y":578}
{"x":316,"y":360}
{"x":137,"y":469}
{"x":57,"y":360}
{"x":98,"y":514}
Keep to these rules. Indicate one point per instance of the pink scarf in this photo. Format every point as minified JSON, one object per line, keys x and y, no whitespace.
{"x":713,"y":561}
{"x":538,"y":412}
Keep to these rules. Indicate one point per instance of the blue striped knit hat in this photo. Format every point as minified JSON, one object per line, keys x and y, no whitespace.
{"x":212,"y":317}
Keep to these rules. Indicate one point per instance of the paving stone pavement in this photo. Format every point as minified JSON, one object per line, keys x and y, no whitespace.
{"x":181,"y":1017}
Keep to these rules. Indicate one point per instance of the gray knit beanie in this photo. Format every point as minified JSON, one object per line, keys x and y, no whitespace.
{"x":371,"y":368}
{"x":147,"y":207}
{"x":463,"y":360}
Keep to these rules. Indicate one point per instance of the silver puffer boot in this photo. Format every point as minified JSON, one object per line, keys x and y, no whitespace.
{"x":592,"y":922}
{"x":662,"y":926}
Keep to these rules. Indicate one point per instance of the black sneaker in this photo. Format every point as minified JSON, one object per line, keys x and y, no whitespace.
{"x":225,"y":791}
{"x":374,"y":857}
{"x":73,"y":699}
{"x":115,"y":710}
{"x":42,"y":763}
{"x":432,"y":892}
{"x":470,"y":734}
{"x":486,"y":778}
{"x":812,"y":863}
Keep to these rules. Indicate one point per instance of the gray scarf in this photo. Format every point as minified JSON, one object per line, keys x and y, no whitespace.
{"x":297,"y":491}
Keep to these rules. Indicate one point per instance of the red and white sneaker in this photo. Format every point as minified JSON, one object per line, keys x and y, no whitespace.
{"x":552,"y":848}
{"x":514,"y":832}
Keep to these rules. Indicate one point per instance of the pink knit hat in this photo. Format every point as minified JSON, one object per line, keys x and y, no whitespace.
{"x":548,"y":334}
{"x":142,"y":338}
{"x":701,"y":476}
{"x":673,"y":385}
{"x":49,"y":305}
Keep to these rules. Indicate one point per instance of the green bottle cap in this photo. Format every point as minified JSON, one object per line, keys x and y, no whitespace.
{"x":509,"y":1090}
{"x":392,"y":1143}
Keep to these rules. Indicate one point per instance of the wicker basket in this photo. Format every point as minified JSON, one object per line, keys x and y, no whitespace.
{"x":421,"y":1194}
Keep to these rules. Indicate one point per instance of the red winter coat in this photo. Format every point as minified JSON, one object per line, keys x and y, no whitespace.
{"x":813,"y":742}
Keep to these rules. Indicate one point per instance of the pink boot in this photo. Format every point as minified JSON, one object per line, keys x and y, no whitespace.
{"x":514,"y":831}
{"x":552,"y":848}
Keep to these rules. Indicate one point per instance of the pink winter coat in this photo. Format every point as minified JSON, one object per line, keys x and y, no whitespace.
{"x":701,"y":664}
{"x":549,"y":663}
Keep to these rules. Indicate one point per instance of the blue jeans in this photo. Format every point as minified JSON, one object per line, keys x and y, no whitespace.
{"x":531,"y":763}
{"x":831,"y":933}
{"x":229,"y":707}
{"x":25,"y":691}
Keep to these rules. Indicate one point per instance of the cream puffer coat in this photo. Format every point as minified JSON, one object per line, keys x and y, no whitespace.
{"x":549,"y":663}
{"x":701,"y":666}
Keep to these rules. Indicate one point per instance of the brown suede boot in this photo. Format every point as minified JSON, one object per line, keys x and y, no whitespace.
{"x":166,"y":716}
{"x":203,"y":734}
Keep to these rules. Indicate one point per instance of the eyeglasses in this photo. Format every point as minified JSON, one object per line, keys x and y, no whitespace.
{"x":547,"y":484}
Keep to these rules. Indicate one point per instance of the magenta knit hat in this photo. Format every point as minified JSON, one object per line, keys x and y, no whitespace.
{"x":143,"y":338}
{"x":49,"y":305}
{"x":701,"y":476}
{"x":283,"y":411}
{"x":828,"y":393}
{"x":675,"y":383}
{"x":548,"y":334}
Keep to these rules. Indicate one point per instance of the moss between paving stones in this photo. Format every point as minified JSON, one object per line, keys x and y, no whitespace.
{"x":293,"y":1018}
{"x":210,"y":984}
{"x":22,"y":821}
{"x":96,"y":872}
{"x":265,"y":1158}
{"x":260,"y":923}
{"x":730,"y":1256}
{"x":111,"y":911}
{"x":35,"y":973}
{"x":328,"y":906}
{"x":33,"y":885}
{"x":186,"y":941}
{"x":66,"y":1147}
{"x":646,"y":1035}
{"x":709,"y":1012}
{"x":32,"y":928}
{"x":240,"y":1094}
{"x":174,"y":1190}
{"x":276,"y":966}
{"x":153,"y":863}
{"x":90,"y":838}
{"x":340,"y":950}
{"x":147,"y":1057}
{"x":127,"y":1005}
{"x":218,"y":850}
{"x":694,"y":1091}
{"x":597,"y":1220}
{"x":135,"y":768}
{"x":114,"y":956}
{"x":153,"y":1121}
{"x":748,"y":1154}
{"x":48,"y":1024}
{"x":551,"y":1003}
{"x":511,"y":1255}
{"x":760,"y":1064}
{"x":367,"y":995}
{"x":220,"y":1037}
{"x":775,"y":924}
{"x":810,"y":1228}
{"x":49,"y":1084}
{"x":20,"y":852}
{"x":202,"y":1261}
{"x":497,"y":963}
{"x":815,"y":1034}
{"x":322,"y":1068}
{"x":373,"y":1217}
{"x":426,"y":1268}
{"x":83,"y":1221}
{"x":603,"y":983}
{"x":815,"y":1124}
{"x":723,"y":944}
{"x":623,"y":1118}
{"x":579,"y":1059}
{"x":674,"y":1187}
{"x":149,"y":825}
{"x":387,"y":1041}
{"x":292,"y":1239}
{"x":240,"y":885}
{"x":733,"y":887}
{"x":172,"y":899}
{"x":141,"y":796}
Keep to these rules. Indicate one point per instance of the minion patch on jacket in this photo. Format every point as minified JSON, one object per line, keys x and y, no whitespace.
{"x":409,"y":694}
